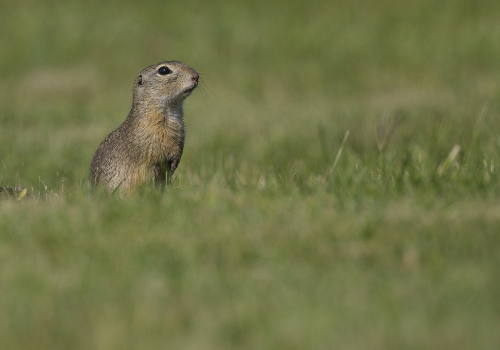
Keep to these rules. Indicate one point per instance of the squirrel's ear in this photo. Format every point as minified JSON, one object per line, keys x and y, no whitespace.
{"x":138,"y":80}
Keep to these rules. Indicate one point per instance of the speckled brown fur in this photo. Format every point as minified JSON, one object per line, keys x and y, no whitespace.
{"x":149,"y":143}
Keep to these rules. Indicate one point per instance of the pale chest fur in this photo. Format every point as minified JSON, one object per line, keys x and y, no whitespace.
{"x":162,"y":139}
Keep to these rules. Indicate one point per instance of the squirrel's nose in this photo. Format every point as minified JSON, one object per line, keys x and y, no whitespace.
{"x":195,"y":78}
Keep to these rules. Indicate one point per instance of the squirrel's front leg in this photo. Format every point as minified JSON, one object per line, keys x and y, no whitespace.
{"x":171,"y":169}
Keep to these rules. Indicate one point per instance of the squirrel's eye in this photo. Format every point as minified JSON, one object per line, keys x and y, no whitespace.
{"x":164,"y":70}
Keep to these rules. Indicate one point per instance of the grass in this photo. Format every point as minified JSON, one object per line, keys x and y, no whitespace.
{"x":339,"y":185}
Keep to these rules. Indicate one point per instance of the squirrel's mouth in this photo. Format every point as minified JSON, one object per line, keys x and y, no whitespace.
{"x":190,"y":89}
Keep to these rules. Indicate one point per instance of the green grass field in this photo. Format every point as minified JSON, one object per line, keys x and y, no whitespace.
{"x":339,"y":188}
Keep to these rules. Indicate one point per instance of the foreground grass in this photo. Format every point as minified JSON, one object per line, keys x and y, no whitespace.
{"x":297,"y":219}
{"x":347,"y":261}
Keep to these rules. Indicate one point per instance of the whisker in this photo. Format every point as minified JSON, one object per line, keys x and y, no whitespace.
{"x":205,"y":88}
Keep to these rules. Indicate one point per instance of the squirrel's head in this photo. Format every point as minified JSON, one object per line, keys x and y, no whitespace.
{"x":167,"y":83}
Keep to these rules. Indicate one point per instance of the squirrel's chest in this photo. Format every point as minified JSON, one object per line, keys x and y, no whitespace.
{"x":165,"y":142}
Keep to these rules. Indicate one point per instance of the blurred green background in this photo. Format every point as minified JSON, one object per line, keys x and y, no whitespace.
{"x":276,"y":234}
{"x":272,"y":72}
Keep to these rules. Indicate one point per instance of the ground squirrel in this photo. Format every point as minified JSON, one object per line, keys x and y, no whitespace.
{"x":149,"y":143}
